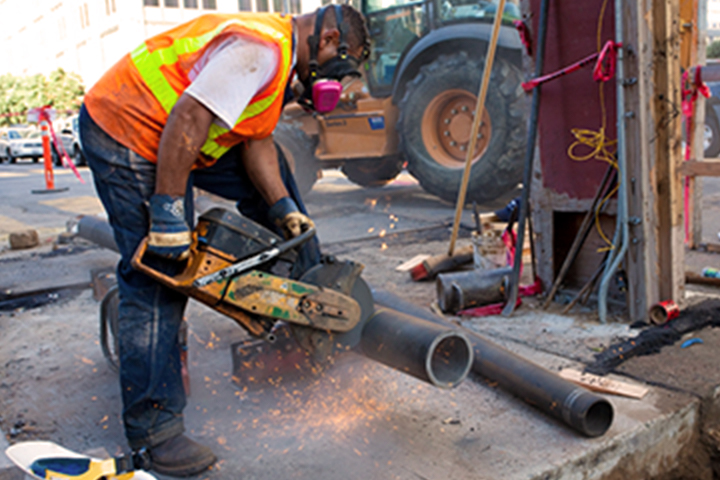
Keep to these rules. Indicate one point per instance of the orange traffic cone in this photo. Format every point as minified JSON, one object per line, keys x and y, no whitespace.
{"x":47,"y":157}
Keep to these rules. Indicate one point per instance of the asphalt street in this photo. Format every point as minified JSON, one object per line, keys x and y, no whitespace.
{"x":342,"y":210}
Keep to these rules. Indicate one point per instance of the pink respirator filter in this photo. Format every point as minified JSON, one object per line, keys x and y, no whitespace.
{"x":326,"y":94}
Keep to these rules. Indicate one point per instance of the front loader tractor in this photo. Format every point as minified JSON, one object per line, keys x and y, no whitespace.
{"x":416,"y":101}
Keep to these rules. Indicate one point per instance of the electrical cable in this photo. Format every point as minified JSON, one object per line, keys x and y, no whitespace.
{"x":601,"y":147}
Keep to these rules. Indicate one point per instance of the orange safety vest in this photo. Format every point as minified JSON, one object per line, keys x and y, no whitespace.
{"x":132,"y":101}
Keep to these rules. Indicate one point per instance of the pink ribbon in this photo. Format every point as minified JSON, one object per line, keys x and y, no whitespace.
{"x":58,"y":144}
{"x":690,"y":89}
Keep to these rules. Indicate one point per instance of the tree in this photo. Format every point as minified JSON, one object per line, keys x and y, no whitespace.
{"x":713,"y":50}
{"x":62,"y":90}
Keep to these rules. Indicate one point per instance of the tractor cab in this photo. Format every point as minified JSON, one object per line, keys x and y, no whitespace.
{"x":395,"y":25}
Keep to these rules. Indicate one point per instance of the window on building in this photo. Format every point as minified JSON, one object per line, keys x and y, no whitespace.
{"x":209,"y":4}
{"x":190,"y":3}
{"x":171,"y":3}
{"x":326,"y":2}
{"x":262,"y":5}
{"x":278,"y":6}
{"x":151,"y":3}
{"x":295,"y":6}
{"x":245,"y":5}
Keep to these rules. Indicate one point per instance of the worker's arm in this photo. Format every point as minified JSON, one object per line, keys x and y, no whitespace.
{"x":261,"y":164}
{"x":184,"y":134}
{"x":234,"y":71}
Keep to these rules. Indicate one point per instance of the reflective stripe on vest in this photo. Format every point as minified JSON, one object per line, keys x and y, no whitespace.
{"x":149,"y":66}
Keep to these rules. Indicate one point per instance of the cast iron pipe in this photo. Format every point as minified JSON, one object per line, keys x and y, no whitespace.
{"x":586,"y":412}
{"x":426,"y":350}
{"x":460,"y":290}
{"x":97,"y":230}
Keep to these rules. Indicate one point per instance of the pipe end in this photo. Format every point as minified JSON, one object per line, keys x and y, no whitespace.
{"x":450,"y":359}
{"x":588,"y":413}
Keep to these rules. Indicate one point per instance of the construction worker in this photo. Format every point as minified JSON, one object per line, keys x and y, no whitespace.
{"x":196,"y":106}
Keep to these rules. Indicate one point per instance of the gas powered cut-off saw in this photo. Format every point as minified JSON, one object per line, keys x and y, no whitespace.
{"x":240,"y":268}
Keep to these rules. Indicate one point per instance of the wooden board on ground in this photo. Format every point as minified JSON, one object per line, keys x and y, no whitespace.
{"x":412,"y":263}
{"x":602,"y":384}
{"x":692,"y":277}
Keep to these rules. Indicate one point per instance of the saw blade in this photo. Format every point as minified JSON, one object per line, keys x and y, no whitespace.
{"x":344,"y":277}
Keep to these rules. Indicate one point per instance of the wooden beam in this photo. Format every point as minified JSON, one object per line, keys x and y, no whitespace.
{"x":666,"y":115}
{"x":692,"y":277}
{"x":642,"y":263}
{"x":705,"y":168}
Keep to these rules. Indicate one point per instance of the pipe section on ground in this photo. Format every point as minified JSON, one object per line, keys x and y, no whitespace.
{"x":432,"y":352}
{"x":97,"y":230}
{"x":460,"y":290}
{"x":586,"y":412}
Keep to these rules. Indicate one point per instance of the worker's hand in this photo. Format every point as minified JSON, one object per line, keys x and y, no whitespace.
{"x":286,"y":215}
{"x":169,"y":235}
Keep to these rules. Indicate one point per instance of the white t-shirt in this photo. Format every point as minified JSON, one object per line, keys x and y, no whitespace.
{"x":230,"y":74}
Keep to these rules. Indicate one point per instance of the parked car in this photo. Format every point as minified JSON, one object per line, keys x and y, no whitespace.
{"x":711,"y":76}
{"x":70,"y":138}
{"x":4,"y":146}
{"x":71,"y":145}
{"x":22,"y":144}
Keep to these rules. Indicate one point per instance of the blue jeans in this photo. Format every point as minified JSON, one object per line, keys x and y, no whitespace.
{"x":150,"y":314}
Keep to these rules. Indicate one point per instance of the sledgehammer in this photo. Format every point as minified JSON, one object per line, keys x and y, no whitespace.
{"x":430,"y":267}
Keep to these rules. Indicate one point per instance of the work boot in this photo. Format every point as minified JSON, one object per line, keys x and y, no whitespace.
{"x":181,"y":456}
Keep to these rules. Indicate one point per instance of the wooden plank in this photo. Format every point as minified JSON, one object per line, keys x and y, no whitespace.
{"x":696,"y":278}
{"x":412,"y":263}
{"x":704,"y":168}
{"x":709,"y":247}
{"x":668,"y":154}
{"x":688,"y":33}
{"x":643,"y":289}
{"x":597,"y":383}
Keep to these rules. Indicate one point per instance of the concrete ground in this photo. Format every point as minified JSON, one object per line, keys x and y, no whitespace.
{"x":358,"y":420}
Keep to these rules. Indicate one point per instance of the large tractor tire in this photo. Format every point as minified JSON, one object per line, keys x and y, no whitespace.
{"x":299,"y":151}
{"x":373,"y":172}
{"x":436,"y":116}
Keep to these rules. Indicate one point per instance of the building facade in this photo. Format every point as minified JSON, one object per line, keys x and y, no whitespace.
{"x":88,"y":36}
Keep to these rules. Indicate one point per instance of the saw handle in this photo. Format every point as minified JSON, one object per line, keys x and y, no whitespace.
{"x":185,"y":279}
{"x":163,"y":278}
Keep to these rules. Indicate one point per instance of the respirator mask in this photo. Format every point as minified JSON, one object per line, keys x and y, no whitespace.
{"x":322,"y":87}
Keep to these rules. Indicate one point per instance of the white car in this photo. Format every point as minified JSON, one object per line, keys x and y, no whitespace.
{"x":22,"y":144}
{"x":70,"y":140}
{"x":4,"y":146}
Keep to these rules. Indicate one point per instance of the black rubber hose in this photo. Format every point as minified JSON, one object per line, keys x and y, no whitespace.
{"x":584,"y":411}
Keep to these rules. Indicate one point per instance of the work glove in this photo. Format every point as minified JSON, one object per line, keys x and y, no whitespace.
{"x":286,"y":215}
{"x":169,"y":234}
